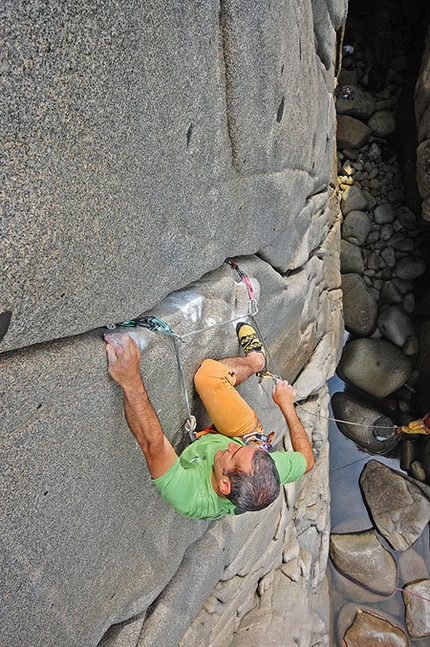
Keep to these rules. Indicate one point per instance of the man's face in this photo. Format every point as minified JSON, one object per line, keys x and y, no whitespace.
{"x":235,"y":456}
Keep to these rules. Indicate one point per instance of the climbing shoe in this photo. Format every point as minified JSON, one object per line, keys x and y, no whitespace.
{"x":251,"y":343}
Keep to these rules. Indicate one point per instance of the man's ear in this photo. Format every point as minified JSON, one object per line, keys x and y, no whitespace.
{"x":224,"y":485}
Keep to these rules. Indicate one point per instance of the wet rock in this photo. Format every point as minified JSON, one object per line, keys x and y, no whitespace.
{"x":375,"y":366}
{"x":396,"y":325}
{"x":374,"y":631}
{"x":412,"y":566}
{"x":417,"y":608}
{"x":411,"y":267}
{"x":383,"y":123}
{"x":365,"y":425}
{"x":351,"y":258}
{"x":383,"y":213}
{"x":359,"y":306}
{"x":361,"y":557}
{"x":356,"y":227}
{"x":398,"y":505}
{"x":353,"y":199}
{"x":351,"y":133}
{"x":355,"y":103}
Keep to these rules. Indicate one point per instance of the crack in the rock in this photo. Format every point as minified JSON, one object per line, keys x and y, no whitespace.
{"x":226,"y":56}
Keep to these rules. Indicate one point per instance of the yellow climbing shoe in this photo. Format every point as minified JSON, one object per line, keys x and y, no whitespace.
{"x":251,"y":343}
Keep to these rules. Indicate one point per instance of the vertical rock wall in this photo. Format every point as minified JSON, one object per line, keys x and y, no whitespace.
{"x":144,"y":143}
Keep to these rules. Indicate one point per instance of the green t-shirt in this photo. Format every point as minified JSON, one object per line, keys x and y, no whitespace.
{"x":187,"y":484}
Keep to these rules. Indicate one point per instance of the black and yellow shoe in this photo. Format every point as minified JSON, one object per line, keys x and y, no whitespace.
{"x":251,"y":343}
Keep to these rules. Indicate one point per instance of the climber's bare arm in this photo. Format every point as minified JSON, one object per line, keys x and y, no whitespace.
{"x":124,"y":357}
{"x":284,"y":396}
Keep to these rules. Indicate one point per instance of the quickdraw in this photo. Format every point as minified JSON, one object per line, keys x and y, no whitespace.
{"x":158,"y":325}
{"x":253,"y":309}
{"x":149,"y":322}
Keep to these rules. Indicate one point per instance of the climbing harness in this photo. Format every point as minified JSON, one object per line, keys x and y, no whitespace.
{"x":253,"y":438}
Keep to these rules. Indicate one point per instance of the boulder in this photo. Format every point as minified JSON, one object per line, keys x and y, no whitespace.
{"x":351,"y":258}
{"x":361,"y":557}
{"x":355,"y":102}
{"x":356,"y":227}
{"x":364,"y":424}
{"x":359,"y":306}
{"x":383,"y":123}
{"x":351,"y":133}
{"x":399,"y":506}
{"x":416,"y":597}
{"x":353,"y":199}
{"x":396,"y":325}
{"x":383,"y":213}
{"x":375,"y":366}
{"x":411,"y":267}
{"x":373,"y":631}
{"x":390,"y":294}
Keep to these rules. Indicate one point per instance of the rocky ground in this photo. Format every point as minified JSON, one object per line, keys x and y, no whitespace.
{"x":383,"y":263}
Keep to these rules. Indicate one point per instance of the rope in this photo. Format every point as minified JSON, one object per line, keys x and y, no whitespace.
{"x":347,"y":422}
{"x":417,"y":595}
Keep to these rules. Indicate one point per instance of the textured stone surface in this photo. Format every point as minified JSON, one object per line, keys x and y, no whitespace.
{"x":173,"y":125}
{"x":396,"y":325}
{"x":357,"y":225}
{"x":74,"y":483}
{"x":351,"y":133}
{"x":361,"y":557}
{"x":359,"y":306}
{"x":359,"y":103}
{"x":351,"y":258}
{"x":145,"y":142}
{"x":364,"y":424}
{"x":374,"y":366}
{"x":399,"y":506}
{"x":416,"y":597}
{"x":353,"y":199}
{"x":374,"y":630}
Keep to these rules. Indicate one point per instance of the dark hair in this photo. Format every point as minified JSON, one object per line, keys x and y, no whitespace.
{"x":257,"y":490}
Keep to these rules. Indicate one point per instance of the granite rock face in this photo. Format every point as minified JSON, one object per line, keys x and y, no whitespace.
{"x":146,"y":143}
{"x":173,"y":125}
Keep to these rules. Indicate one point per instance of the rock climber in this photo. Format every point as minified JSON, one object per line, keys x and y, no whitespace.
{"x":218,"y":474}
